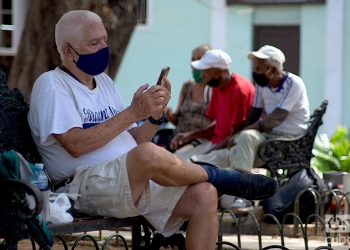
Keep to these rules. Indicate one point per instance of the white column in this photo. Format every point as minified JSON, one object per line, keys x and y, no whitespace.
{"x":218,"y":24}
{"x":334,"y":64}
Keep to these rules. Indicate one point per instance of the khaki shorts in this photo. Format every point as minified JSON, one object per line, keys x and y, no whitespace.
{"x":187,"y":151}
{"x":105,"y":190}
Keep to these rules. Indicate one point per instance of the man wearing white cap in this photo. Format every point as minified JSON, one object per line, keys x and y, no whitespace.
{"x":229,"y":107}
{"x":281,"y":96}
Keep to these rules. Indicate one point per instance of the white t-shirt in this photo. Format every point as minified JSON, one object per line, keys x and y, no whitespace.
{"x":291,"y":96}
{"x":58,"y":103}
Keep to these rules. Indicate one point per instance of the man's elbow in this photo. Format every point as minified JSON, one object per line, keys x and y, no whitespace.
{"x":73,"y":147}
{"x":77,"y":149}
{"x":75,"y":152}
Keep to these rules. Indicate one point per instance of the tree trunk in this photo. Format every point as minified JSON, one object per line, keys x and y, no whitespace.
{"x":37,"y":51}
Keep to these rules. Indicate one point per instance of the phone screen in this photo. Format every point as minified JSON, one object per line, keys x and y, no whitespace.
{"x":163,"y":74}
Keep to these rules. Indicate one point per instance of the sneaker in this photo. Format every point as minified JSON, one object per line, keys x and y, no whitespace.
{"x":241,"y":203}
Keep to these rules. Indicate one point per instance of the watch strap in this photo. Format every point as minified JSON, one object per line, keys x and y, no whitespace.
{"x":155,"y":121}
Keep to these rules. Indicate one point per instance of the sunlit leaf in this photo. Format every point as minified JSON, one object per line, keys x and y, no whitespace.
{"x":333,"y":153}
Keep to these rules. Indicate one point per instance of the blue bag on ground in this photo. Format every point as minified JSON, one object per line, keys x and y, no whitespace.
{"x":282,"y":202}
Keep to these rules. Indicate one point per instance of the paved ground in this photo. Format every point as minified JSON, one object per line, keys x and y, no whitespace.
{"x":248,"y":242}
{"x":249,"y":239}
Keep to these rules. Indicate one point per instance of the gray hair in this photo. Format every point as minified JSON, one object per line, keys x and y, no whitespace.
{"x":270,"y":62}
{"x":69,"y":28}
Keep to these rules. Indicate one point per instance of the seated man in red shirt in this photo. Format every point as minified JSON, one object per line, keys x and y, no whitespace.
{"x":229,"y":106}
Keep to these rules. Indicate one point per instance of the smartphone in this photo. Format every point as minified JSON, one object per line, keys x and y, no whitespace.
{"x":163,"y":74}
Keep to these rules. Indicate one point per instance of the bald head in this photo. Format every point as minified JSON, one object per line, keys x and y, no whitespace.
{"x":198,"y":52}
{"x":70,"y":28}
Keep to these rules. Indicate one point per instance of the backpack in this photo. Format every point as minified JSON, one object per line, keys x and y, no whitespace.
{"x":163,"y":138}
{"x":18,"y":219}
{"x":282,"y":202}
{"x":14,"y":129}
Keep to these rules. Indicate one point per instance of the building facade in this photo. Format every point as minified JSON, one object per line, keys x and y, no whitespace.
{"x":314,"y":34}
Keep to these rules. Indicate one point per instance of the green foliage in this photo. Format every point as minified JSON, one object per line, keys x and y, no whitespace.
{"x":332,"y":154}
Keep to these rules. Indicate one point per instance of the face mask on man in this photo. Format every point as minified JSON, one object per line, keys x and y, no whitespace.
{"x":197,"y":75}
{"x":260,"y":79}
{"x":94,"y":63}
{"x":213,"y":82}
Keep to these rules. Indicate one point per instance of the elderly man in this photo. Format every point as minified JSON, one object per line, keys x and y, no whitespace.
{"x":88,"y":138}
{"x":229,"y":106}
{"x":281,"y":96}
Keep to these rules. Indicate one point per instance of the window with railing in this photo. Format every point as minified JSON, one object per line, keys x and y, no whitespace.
{"x":7,"y":26}
{"x":274,"y":1}
{"x":143,"y":12}
{"x":12,"y":17}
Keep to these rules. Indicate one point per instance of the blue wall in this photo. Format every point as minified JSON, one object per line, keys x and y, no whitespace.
{"x":312,"y":52}
{"x":239,"y":38}
{"x":176,"y":27}
{"x":242,"y":18}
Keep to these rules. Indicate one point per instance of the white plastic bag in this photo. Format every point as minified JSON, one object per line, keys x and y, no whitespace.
{"x":58,"y":210}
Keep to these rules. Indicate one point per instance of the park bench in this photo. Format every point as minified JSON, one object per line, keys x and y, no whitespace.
{"x":288,"y":161}
{"x":285,"y":156}
{"x":14,"y":209}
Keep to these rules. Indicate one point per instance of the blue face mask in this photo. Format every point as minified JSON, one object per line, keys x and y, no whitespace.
{"x":94,"y":63}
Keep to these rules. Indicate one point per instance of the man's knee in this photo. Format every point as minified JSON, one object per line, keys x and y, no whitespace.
{"x":242,"y":155}
{"x":149,"y":154}
{"x":249,"y":136}
{"x":205,"y":196}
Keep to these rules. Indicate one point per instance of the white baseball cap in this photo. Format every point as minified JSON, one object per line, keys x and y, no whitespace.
{"x":215,"y":58}
{"x":268,"y":52}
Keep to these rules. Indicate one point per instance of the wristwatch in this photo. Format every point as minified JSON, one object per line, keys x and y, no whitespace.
{"x":260,"y":126}
{"x":157,"y":122}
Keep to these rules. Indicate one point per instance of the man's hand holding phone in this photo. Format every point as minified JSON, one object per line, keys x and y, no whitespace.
{"x":158,"y":118}
{"x":162,"y":76}
{"x":164,"y":82}
{"x":152,"y":101}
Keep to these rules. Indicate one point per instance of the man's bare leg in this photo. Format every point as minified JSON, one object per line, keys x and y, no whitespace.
{"x":150,"y":162}
{"x":199,"y":204}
